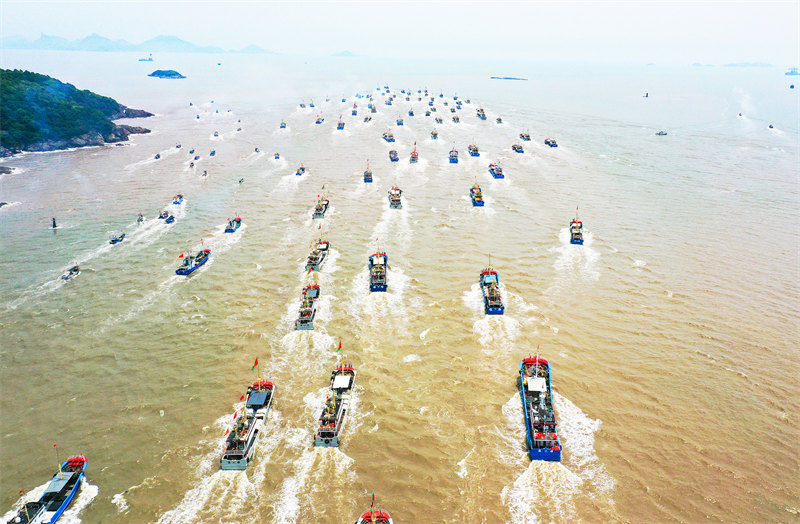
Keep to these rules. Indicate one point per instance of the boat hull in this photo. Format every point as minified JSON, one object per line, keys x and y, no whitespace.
{"x":188,"y":271}
{"x":477,"y":203}
{"x":239,"y":464}
{"x":496,"y":174}
{"x":576,"y":241}
{"x":378,"y":287}
{"x":546,"y":454}
{"x":232,"y":229}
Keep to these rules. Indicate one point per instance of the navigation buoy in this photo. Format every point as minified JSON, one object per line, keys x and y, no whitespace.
{"x":54,"y":223}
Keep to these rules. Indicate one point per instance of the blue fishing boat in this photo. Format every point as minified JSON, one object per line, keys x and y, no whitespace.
{"x":71,"y":272}
{"x":373,"y":110}
{"x":476,"y":195}
{"x":388,"y":136}
{"x":241,"y":439}
{"x":395,"y":200}
{"x":496,"y":170}
{"x":216,"y":133}
{"x":453,"y":156}
{"x":452,"y":109}
{"x":308,"y":308}
{"x":191,"y":151}
{"x":118,"y":239}
{"x":354,"y":112}
{"x":536,"y":393}
{"x":410,"y":112}
{"x":393,"y":156}
{"x":368,"y":174}
{"x":197,"y":157}
{"x":212,"y":153}
{"x":169,"y":220}
{"x":311,"y":104}
{"x":331,"y":421}
{"x":399,"y":121}
{"x":456,"y":119}
{"x":434,"y":134}
{"x":340,"y":124}
{"x":177,"y":199}
{"x":414,"y":155}
{"x":576,"y":230}
{"x":233,"y":225}
{"x":57,"y":495}
{"x":480,"y":113}
{"x":427,"y":113}
{"x":190,"y":263}
{"x":550,"y":142}
{"x":661,"y":133}
{"x":525,"y":136}
{"x":490,"y":286}
{"x":320,"y":208}
{"x":319,"y":120}
{"x":473,"y":150}
{"x":344,"y":100}
{"x":378,"y":278}
{"x":158,"y":155}
{"x":283,"y":125}
{"x":163,"y":215}
{"x":300,"y":170}
{"x":517,"y":148}
{"x":318,"y":255}
{"x":140,"y":218}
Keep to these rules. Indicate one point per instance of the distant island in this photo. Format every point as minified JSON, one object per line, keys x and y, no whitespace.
{"x":748,"y":64}
{"x":507,"y":78}
{"x":163,"y":43}
{"x":40,"y":113}
{"x":344,"y":53}
{"x":166,"y":73}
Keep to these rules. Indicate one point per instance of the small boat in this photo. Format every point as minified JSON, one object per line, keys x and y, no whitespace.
{"x":452,"y":109}
{"x":319,"y":120}
{"x":661,"y":133}
{"x":480,"y":114}
{"x":331,"y":421}
{"x":378,"y":263}
{"x":496,"y":170}
{"x":410,"y":112}
{"x":368,"y":119}
{"x":169,"y":220}
{"x":238,"y":129}
{"x":453,"y":156}
{"x":311,"y":104}
{"x":445,"y":103}
{"x":320,"y":208}
{"x":427,"y":113}
{"x":434,"y":134}
{"x":373,"y":110}
{"x":163,"y":215}
{"x":190,"y":263}
{"x":490,"y":286}
{"x":374,"y":516}
{"x":302,"y":106}
{"x":191,"y":151}
{"x":241,"y":440}
{"x":430,"y":104}
{"x":197,"y":157}
{"x":71,"y":272}
{"x":473,"y":150}
{"x":308,"y":308}
{"x":212,"y":153}
{"x":340,"y":124}
{"x":57,"y":496}
{"x":258,"y":150}
{"x":354,"y":112}
{"x":300,"y":170}
{"x":525,"y":136}
{"x":117,"y":239}
{"x":792,"y":71}
{"x":576,"y":230}
{"x":177,"y":199}
{"x":771,"y":126}
{"x":399,"y":121}
{"x":456,"y":119}
{"x":535,"y":391}
{"x":389,"y":102}
{"x":140,"y":218}
{"x":177,"y":146}
{"x":216,"y":133}
{"x":283,"y":125}
{"x":395,"y":194}
{"x":388,"y":136}
{"x":467,"y":101}
{"x":414,"y":156}
{"x":368,"y":174}
{"x":499,"y":120}
{"x":233,"y":225}
{"x":277,"y":156}
{"x":476,"y":195}
{"x":517,"y":148}
{"x":318,"y":255}
{"x":393,"y":156}
{"x":550,"y":142}
{"x":158,"y":155}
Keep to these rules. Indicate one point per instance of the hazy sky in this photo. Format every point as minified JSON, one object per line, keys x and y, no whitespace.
{"x":642,"y":31}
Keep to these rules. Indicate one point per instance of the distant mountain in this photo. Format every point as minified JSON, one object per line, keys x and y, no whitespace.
{"x":748,"y":64}
{"x":344,"y":53}
{"x":254,"y":49}
{"x":163,"y":44}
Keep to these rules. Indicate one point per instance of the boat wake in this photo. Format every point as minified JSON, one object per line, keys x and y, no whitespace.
{"x":374,"y":308}
{"x":575,"y":261}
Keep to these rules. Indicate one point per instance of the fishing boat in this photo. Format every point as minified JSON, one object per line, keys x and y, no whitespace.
{"x":178,"y":145}
{"x":368,"y":174}
{"x":191,"y":151}
{"x":453,"y":156}
{"x":71,"y":272}
{"x":550,"y":142}
{"x":300,"y":170}
{"x":375,"y":515}
{"x":308,"y":308}
{"x":476,"y":195}
{"x":473,"y":150}
{"x":318,"y":255}
{"x":216,"y":133}
{"x":496,"y":170}
{"x":410,"y":112}
{"x":438,"y":119}
{"x":480,"y":113}
{"x":395,"y":201}
{"x":283,"y":125}
{"x":197,"y":157}
{"x":378,"y":276}
{"x":311,"y":104}
{"x":177,"y":199}
{"x":241,"y":439}
{"x":190,"y":263}
{"x":233,"y":225}
{"x":331,"y":421}
{"x":427,"y":113}
{"x":213,"y":152}
{"x":57,"y":495}
{"x":388,"y":101}
{"x":517,"y":148}
{"x":367,"y":119}
{"x":399,"y":121}
{"x":576,"y":230}
{"x":434,"y":134}
{"x":169,"y":220}
{"x":414,"y":156}
{"x":393,"y":156}
{"x":257,"y":150}
{"x":163,"y":215}
{"x":452,"y":109}
{"x":388,"y":136}
{"x":140,"y":218}
{"x":490,"y":286}
{"x":277,"y":156}
{"x":319,"y":120}
{"x":158,"y":155}
{"x":499,"y":120}
{"x":354,"y":112}
{"x":373,"y":109}
{"x":117,"y":239}
{"x":535,"y":391}
{"x":340,"y":124}
{"x":320,"y":208}
{"x":456,"y":119}
{"x":430,"y":103}
{"x":661,"y":133}
{"x":302,"y":106}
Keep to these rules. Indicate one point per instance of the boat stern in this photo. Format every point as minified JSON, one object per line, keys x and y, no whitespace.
{"x":546,"y":454}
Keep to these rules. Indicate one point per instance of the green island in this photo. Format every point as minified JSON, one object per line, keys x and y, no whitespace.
{"x":41,"y":113}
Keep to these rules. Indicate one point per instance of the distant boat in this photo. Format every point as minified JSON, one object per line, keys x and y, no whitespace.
{"x":158,"y":155}
{"x":340,"y":124}
{"x":388,"y":136}
{"x":318,"y":255}
{"x":150,"y":59}
{"x":395,"y":197}
{"x":308,"y":308}
{"x":550,"y":142}
{"x":476,"y":195}
{"x":453,"y":156}
{"x":300,"y":170}
{"x":320,"y":208}
{"x":378,"y":263}
{"x":473,"y":150}
{"x":517,"y":148}
{"x":792,"y":71}
{"x":71,"y":272}
{"x":319,"y":120}
{"x":661,"y":133}
{"x":368,"y":174}
{"x":117,"y":239}
{"x":393,"y":156}
{"x":525,"y":136}
{"x":283,"y":125}
{"x":434,"y":134}
{"x":399,"y":121}
{"x":456,"y":119}
{"x":490,"y":287}
{"x":496,"y":171}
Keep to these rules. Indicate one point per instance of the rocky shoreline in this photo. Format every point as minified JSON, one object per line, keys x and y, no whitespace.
{"x":119,"y":133}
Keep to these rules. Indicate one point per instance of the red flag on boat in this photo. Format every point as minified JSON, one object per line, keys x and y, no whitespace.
{"x":309,"y":270}
{"x":323,"y":186}
{"x":226,"y":432}
{"x":254,"y":365}
{"x":55,"y":445}
{"x":340,"y":346}
{"x":235,"y":415}
{"x":21,"y":491}
{"x":241,"y":398}
{"x":319,"y":226}
{"x":180,"y":256}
